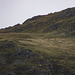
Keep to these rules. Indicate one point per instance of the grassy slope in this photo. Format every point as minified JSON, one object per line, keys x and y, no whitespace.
{"x":58,"y":50}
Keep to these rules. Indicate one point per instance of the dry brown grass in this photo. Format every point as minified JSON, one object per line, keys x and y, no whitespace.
{"x":61,"y":43}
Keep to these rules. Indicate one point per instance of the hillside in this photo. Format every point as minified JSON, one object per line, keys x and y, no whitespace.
{"x":60,"y":23}
{"x":42,"y":45}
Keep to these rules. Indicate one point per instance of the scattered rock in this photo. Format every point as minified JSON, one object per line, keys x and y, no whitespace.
{"x":7,"y":44}
{"x":72,"y":34}
{"x":35,"y":71}
{"x":26,"y":54}
{"x":18,"y":62}
{"x":9,"y":73}
{"x":2,"y":60}
{"x":40,"y":61}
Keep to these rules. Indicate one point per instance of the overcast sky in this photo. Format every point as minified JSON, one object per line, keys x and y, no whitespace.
{"x":17,"y":11}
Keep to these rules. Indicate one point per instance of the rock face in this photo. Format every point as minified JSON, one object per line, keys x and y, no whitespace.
{"x":2,"y":60}
{"x":53,"y":27}
{"x":26,"y":54}
{"x":37,"y":72}
{"x":9,"y":73}
{"x":7,"y":44}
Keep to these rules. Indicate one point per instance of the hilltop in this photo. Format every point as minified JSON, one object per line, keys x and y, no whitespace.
{"x":60,"y":23}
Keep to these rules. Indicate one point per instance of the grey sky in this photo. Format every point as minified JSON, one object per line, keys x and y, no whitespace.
{"x":17,"y":11}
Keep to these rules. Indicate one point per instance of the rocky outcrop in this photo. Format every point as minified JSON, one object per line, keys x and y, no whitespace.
{"x":35,"y":71}
{"x":9,"y":73}
{"x":26,"y":54}
{"x":7,"y":44}
{"x":2,"y":60}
